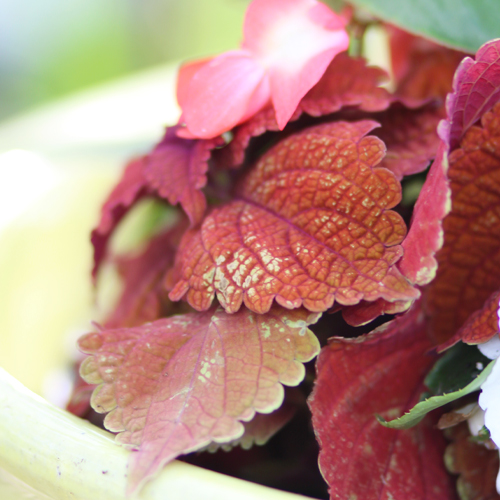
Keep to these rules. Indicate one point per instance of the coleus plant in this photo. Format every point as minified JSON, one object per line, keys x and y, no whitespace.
{"x":288,"y":168}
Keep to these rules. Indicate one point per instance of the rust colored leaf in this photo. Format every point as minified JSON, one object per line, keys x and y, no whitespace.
{"x":477,"y":466}
{"x":143,"y":298}
{"x":311,"y":225}
{"x":481,"y":326}
{"x":476,"y":88}
{"x":177,"y":384}
{"x":130,"y":189}
{"x":176,"y":169}
{"x":410,"y":136}
{"x":348,"y":82}
{"x":380,"y":373}
{"x":469,"y":262}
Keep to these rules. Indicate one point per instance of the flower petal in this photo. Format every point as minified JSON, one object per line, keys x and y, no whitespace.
{"x":490,"y":403}
{"x":186,"y":74}
{"x":296,"y":41}
{"x":222,"y":93}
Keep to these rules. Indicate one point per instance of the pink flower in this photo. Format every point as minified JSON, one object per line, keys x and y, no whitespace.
{"x":287,"y":46}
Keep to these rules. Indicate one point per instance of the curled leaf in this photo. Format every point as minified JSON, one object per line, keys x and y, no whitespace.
{"x":469,"y":260}
{"x":176,"y":170}
{"x":129,"y":190}
{"x":177,"y":384}
{"x":310,"y":225}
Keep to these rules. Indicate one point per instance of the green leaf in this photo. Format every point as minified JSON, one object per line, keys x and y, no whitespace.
{"x":418,"y":412}
{"x":458,"y":367}
{"x":461,"y":24}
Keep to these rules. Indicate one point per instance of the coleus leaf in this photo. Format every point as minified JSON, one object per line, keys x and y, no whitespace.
{"x":481,"y":326}
{"x":477,"y":466}
{"x":311,"y":224}
{"x":418,"y":412}
{"x":143,"y":297}
{"x":410,"y":137}
{"x":347,"y":82}
{"x":177,"y":384}
{"x":469,"y":260}
{"x":421,"y":68}
{"x":260,"y":429}
{"x":456,"y":23}
{"x":129,"y":190}
{"x":174,"y":171}
{"x":475,"y":90}
{"x":380,"y":373}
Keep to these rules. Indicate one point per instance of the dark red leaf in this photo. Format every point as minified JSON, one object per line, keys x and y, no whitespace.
{"x":176,"y":169}
{"x":477,"y":466}
{"x":143,"y":298}
{"x":131,"y":188}
{"x":177,"y":384}
{"x":410,"y":136}
{"x":469,"y":262}
{"x":422,"y":69}
{"x":476,"y":88}
{"x":311,"y":224}
{"x":381,"y":373}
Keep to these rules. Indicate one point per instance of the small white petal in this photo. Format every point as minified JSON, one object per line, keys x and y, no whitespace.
{"x":491,"y":349}
{"x":475,"y":421}
{"x":498,"y":482}
{"x":489,"y":401}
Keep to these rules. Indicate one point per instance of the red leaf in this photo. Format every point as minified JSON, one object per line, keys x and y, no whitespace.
{"x":175,"y":385}
{"x":131,"y":188}
{"x":176,"y":170}
{"x":311,"y":225}
{"x":469,"y":260}
{"x":410,"y":137}
{"x":143,"y":298}
{"x":481,"y":326}
{"x":477,"y":466}
{"x":422,"y":69}
{"x":365,"y":312}
{"x":425,"y":236}
{"x":476,"y":88}
{"x":346,"y":82}
{"x":381,"y":373}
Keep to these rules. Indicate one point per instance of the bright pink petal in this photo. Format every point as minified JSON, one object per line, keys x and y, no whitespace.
{"x":224,"y":92}
{"x":296,"y":41}
{"x":186,"y":74}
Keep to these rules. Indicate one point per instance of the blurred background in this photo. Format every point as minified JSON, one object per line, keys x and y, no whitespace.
{"x":84,"y":85}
